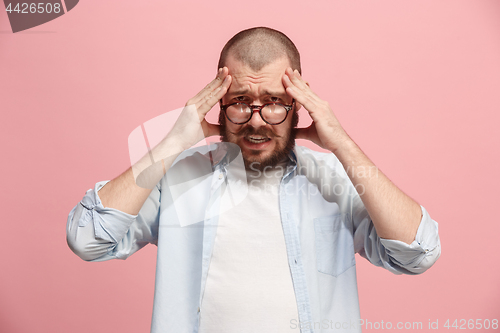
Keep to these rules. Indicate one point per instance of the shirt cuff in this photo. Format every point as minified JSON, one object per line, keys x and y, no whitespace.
{"x":422,"y":253}
{"x":110,"y":224}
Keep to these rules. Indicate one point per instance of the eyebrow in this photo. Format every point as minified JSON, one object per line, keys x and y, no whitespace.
{"x":265,"y":92}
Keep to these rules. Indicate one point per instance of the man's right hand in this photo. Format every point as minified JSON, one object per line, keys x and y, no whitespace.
{"x":191,"y":126}
{"x":129,"y":191}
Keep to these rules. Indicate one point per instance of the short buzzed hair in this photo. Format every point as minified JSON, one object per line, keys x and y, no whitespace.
{"x":258,"y":47}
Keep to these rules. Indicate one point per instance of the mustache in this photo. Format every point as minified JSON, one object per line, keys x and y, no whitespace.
{"x":252,"y":131}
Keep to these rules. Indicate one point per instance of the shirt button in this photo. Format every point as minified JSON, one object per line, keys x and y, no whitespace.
{"x":198,"y":309}
{"x":220,"y":176}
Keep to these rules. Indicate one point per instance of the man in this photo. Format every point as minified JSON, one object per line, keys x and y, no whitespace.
{"x":280,"y":257}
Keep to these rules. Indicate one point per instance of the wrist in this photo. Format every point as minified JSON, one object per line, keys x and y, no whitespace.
{"x":171,"y":145}
{"x":342,"y":144}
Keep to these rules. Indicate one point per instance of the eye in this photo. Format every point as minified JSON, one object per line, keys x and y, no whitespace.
{"x":240,"y":98}
{"x":275,"y":99}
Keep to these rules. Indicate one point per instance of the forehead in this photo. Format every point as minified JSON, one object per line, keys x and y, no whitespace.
{"x":247,"y":81}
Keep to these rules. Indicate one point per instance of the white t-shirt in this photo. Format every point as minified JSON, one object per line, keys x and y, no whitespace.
{"x":249,"y":286}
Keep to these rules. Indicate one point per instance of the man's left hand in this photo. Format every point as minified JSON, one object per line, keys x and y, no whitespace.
{"x":325,"y":130}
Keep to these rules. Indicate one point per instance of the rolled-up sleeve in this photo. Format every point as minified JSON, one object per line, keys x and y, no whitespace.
{"x":394,"y":255}
{"x":96,"y":233}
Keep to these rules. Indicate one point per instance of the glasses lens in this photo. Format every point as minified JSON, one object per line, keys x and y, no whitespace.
{"x":241,"y":113}
{"x":274,"y":113}
{"x":238,"y":113}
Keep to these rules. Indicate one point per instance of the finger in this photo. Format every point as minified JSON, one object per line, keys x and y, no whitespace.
{"x":212,"y":98}
{"x":301,"y":98}
{"x":217,"y":80}
{"x":298,"y":81}
{"x":289,"y":84}
{"x":209,"y":88}
{"x":220,"y":89}
{"x":295,"y":78}
{"x":289,"y":81}
{"x":304,"y":95}
{"x":201,"y":99}
{"x":294,"y":90}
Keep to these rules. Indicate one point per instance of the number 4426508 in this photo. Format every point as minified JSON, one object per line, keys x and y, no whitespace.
{"x":32,"y":8}
{"x":462,"y":324}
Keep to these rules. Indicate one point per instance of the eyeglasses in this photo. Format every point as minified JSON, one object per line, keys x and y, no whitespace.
{"x":272,"y":113}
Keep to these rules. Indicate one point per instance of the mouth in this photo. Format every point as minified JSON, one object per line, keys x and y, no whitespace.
{"x":257,"y":139}
{"x":256,"y":142}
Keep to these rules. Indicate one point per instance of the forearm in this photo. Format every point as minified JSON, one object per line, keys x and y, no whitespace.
{"x":129,"y":191}
{"x":124,"y":194}
{"x":394,"y":214}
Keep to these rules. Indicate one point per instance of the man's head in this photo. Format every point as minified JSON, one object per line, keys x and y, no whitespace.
{"x":257,"y":59}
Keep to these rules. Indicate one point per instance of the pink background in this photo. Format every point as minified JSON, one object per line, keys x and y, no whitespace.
{"x":415,"y":83}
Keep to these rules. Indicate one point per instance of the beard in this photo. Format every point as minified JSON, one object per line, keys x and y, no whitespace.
{"x":284,"y":144}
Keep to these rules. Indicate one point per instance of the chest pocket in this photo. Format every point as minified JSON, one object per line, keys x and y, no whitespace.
{"x":334,"y":245}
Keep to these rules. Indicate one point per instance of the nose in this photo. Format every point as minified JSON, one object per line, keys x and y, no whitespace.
{"x":256,"y":120}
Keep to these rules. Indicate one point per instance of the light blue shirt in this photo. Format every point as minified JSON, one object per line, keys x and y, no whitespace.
{"x":324,"y":224}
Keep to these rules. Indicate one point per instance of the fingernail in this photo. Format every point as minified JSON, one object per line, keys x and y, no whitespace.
{"x":220,"y":70}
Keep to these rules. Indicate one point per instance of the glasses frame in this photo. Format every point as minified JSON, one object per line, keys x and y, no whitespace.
{"x":288,"y":108}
